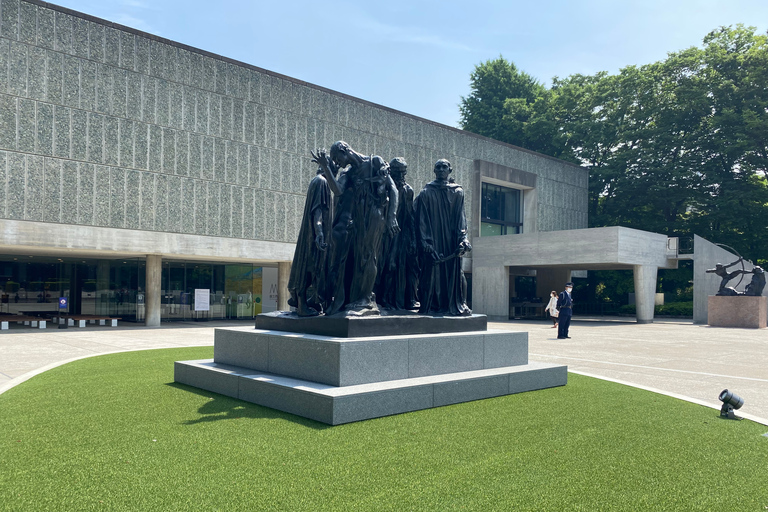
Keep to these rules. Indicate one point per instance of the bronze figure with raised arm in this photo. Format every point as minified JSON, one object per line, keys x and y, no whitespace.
{"x":722,"y":271}
{"x":365,"y":212}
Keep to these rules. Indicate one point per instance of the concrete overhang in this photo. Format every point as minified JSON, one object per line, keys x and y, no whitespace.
{"x":609,"y":248}
{"x":47,"y":239}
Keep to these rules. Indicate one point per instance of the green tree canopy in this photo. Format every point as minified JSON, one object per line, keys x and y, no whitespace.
{"x":494,"y":83}
{"x":676,"y":147}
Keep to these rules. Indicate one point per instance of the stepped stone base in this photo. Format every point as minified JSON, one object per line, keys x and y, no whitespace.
{"x":350,"y":361}
{"x":340,"y":380}
{"x":336,"y":405}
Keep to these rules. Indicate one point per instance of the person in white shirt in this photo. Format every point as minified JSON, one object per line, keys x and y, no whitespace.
{"x":552,"y":308}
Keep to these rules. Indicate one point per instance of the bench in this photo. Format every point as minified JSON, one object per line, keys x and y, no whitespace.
{"x":82,"y":319}
{"x":34,"y":321}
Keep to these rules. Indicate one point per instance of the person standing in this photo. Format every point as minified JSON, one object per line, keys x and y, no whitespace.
{"x":552,"y":308}
{"x":565,"y":306}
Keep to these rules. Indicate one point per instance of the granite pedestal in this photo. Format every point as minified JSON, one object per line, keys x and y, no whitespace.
{"x":350,"y":325}
{"x":737,"y":311}
{"x":339,"y":380}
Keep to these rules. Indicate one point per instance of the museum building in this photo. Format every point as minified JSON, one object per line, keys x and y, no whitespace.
{"x":137,"y":173}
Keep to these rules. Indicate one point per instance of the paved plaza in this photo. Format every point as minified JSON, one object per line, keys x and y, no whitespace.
{"x":674,"y":357}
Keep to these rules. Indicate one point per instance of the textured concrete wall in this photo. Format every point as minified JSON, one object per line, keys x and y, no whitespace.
{"x":554,"y":193}
{"x":25,"y":237}
{"x":101,"y":125}
{"x":705,"y":256}
{"x":562,"y":196}
{"x":491,"y":292}
{"x":611,"y":247}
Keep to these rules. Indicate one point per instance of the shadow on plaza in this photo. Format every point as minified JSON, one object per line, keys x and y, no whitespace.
{"x":220,"y":407}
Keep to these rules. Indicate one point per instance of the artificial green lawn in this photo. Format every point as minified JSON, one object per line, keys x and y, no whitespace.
{"x":114,"y":433}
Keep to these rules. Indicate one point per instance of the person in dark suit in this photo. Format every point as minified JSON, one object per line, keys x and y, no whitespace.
{"x":565,"y":306}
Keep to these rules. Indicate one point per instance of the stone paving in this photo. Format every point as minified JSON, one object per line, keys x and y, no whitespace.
{"x":25,"y":351}
{"x":674,"y":357}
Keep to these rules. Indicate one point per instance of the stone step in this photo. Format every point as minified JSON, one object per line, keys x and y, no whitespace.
{"x":361,"y":360}
{"x":335,"y":405}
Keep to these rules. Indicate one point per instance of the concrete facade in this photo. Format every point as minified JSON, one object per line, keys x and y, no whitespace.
{"x":114,"y":141}
{"x":102,"y":125}
{"x":154,"y":273}
{"x":556,"y":254}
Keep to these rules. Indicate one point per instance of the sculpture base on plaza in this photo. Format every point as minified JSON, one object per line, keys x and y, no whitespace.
{"x":737,"y":311}
{"x":340,"y":380}
{"x":349,"y":325}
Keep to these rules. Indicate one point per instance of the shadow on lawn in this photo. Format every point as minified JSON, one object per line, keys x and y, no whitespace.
{"x":221,"y":407}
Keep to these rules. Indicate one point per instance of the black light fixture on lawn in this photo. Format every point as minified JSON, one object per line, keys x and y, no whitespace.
{"x":730,"y":401}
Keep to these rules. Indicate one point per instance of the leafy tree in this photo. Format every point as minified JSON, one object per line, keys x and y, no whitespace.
{"x":734,"y":146}
{"x":676,"y":147}
{"x":493,"y":83}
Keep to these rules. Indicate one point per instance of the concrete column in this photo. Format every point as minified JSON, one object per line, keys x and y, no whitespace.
{"x":490,"y":292}
{"x":551,"y":278}
{"x":283,"y":273}
{"x":102,"y":288}
{"x":154,"y":287}
{"x":530,"y":210}
{"x":645,"y":292}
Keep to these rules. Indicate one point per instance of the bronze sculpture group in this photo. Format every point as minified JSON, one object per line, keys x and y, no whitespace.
{"x":367,"y":241}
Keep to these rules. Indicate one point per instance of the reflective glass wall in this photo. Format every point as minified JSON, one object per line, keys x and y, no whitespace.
{"x":116,"y":287}
{"x":233,"y":291}
{"x":34,"y":285}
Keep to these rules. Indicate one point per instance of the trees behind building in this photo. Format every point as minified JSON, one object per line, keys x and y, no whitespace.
{"x":677,"y":147}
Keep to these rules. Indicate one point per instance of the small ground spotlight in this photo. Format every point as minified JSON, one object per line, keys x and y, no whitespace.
{"x":731,"y":401}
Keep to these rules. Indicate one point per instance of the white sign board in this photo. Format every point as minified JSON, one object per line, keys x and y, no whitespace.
{"x":202,"y":299}
{"x":269,"y":289}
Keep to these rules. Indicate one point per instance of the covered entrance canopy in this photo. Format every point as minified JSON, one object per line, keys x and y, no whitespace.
{"x":560,"y":252}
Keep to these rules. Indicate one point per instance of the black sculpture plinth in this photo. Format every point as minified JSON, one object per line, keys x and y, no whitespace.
{"x":352,"y":326}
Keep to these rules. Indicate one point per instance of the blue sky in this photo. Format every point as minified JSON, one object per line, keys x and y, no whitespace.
{"x":416,"y":56}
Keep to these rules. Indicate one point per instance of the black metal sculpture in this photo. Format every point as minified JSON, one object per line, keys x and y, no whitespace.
{"x":757,"y":284}
{"x":399,"y":269}
{"x":306,"y":284}
{"x":753,"y":289}
{"x":722,"y":271}
{"x":365,"y":208}
{"x":363,"y":230}
{"x":442,"y":241}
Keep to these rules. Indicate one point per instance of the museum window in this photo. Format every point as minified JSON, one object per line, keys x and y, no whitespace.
{"x":234,"y":290}
{"x":500,"y":210}
{"x":32,"y":285}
